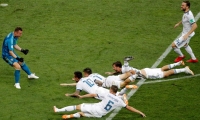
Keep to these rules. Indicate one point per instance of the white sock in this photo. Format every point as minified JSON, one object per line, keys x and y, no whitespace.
{"x":76,"y":115}
{"x":178,"y":51}
{"x":189,"y":50}
{"x":176,"y":71}
{"x":68,"y":108}
{"x":133,"y":77}
{"x":174,"y":65}
{"x":122,"y":91}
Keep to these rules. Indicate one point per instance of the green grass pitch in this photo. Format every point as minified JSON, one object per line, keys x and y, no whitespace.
{"x":68,"y":35}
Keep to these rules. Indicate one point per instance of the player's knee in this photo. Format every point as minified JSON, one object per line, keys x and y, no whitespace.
{"x":17,"y":66}
{"x":173,"y":45}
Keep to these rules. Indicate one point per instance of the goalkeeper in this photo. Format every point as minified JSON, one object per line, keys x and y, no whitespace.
{"x":8,"y":55}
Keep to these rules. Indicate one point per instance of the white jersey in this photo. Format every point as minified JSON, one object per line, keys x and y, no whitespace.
{"x":128,"y":68}
{"x":86,"y":84}
{"x":97,"y":76}
{"x":187,"y":21}
{"x":109,"y":102}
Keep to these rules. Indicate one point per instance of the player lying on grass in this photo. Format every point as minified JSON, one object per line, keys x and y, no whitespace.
{"x":121,"y":80}
{"x":88,"y":85}
{"x":120,"y":69}
{"x":109,"y":102}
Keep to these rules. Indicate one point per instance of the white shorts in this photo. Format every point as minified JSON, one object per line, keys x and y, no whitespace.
{"x":180,"y":42}
{"x":89,"y":110}
{"x":154,"y":73}
{"x":112,"y":80}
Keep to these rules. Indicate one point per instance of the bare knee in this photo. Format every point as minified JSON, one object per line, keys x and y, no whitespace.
{"x":17,"y":66}
{"x":173,"y":45}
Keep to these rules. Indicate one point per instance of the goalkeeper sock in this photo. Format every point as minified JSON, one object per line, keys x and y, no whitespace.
{"x":25,"y":68}
{"x":17,"y":76}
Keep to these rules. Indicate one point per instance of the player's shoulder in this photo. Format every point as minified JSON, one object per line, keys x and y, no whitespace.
{"x":189,"y":13}
{"x":10,"y":35}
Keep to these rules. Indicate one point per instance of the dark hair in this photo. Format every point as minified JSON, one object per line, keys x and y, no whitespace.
{"x":187,"y":3}
{"x":78,"y":74}
{"x":114,"y":88}
{"x":87,"y":70}
{"x":117,"y":64}
{"x":18,"y":29}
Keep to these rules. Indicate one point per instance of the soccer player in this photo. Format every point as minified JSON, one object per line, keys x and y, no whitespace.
{"x":9,"y":56}
{"x":189,"y":26}
{"x":109,"y":102}
{"x":86,"y":84}
{"x":165,"y":71}
{"x":120,"y":69}
{"x":87,"y":72}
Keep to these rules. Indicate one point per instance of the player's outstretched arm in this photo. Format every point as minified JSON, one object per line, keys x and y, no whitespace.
{"x":109,"y":73}
{"x":75,"y":94}
{"x":87,"y":95}
{"x":68,"y":84}
{"x":176,"y":25}
{"x":135,"y":110}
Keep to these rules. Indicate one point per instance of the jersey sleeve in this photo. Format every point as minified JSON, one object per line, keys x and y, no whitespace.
{"x":122,"y":103}
{"x":101,"y":95}
{"x":10,"y":43}
{"x":79,"y":86}
{"x":191,"y":18}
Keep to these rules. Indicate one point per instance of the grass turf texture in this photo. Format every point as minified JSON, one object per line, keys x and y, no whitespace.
{"x":64,"y":36}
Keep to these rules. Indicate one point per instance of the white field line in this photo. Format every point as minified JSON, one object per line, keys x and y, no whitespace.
{"x":180,"y":78}
{"x":159,"y":60}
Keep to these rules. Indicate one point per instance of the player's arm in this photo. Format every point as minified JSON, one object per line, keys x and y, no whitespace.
{"x":135,"y":110}
{"x":75,"y":94}
{"x":99,"y":83}
{"x":25,"y":51}
{"x":177,"y":24}
{"x":109,"y":73}
{"x":88,"y":96}
{"x":68,"y":84}
{"x":194,"y":27}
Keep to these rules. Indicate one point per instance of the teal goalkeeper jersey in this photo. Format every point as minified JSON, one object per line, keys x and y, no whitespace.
{"x":8,"y":44}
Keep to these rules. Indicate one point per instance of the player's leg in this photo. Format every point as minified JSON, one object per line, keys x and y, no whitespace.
{"x":127,"y":74}
{"x":189,"y":50}
{"x":14,"y":63}
{"x":170,"y":66}
{"x":27,"y":70}
{"x":67,"y":108}
{"x":176,"y":71}
{"x":176,"y":45}
{"x":17,"y":75}
{"x":126,"y":64}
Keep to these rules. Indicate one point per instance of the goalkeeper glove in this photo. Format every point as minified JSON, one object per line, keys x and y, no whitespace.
{"x":25,"y":51}
{"x":20,"y":59}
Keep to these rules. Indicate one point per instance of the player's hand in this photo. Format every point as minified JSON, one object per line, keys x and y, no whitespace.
{"x":176,"y":25}
{"x":67,"y":94}
{"x":143,"y":115}
{"x":25,"y":51}
{"x":20,"y":59}
{"x":185,"y":37}
{"x":80,"y":97}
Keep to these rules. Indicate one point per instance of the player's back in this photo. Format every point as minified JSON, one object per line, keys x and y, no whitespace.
{"x":109,"y":102}
{"x":97,"y":76}
{"x":87,"y":84}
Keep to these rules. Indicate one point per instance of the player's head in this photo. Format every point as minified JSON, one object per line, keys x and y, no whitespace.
{"x":117,"y":66}
{"x":113,"y":89}
{"x":185,"y":5}
{"x":87,"y":71}
{"x":77,"y":76}
{"x":18,"y":32}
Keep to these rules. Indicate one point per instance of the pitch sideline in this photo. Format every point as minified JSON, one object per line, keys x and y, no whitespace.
{"x":159,"y":60}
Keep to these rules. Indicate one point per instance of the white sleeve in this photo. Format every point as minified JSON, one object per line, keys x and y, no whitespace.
{"x":191,"y":18}
{"x":79,"y":86}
